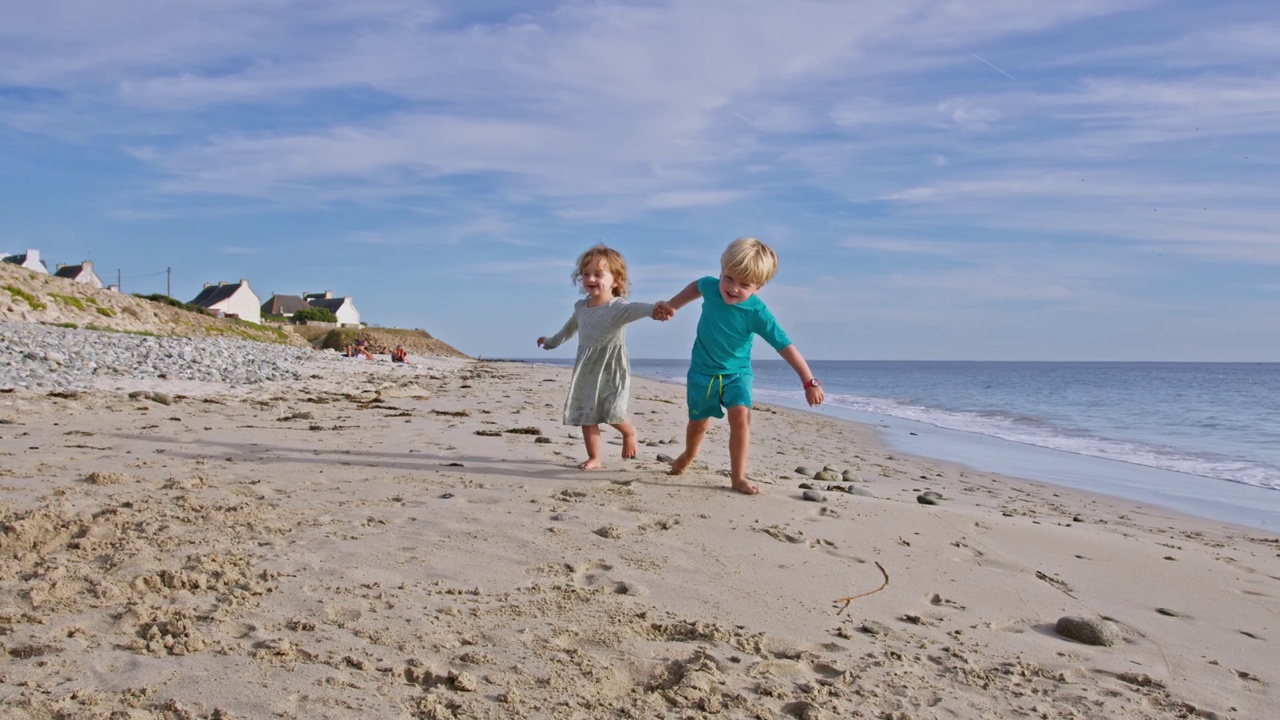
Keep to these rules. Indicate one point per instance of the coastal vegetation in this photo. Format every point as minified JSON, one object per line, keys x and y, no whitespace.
{"x":32,"y":297}
{"x":20,"y":294}
{"x":324,"y":315}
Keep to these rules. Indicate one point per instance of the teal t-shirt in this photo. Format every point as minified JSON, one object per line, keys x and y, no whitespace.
{"x":723,"y":345}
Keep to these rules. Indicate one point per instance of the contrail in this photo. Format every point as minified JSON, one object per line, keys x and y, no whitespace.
{"x":988,"y":64}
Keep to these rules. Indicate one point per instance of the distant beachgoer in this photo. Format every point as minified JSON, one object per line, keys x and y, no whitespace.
{"x":359,"y":350}
{"x":399,"y":355}
{"x":720,"y":372}
{"x":601,"y":379}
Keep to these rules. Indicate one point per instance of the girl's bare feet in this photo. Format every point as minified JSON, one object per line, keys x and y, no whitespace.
{"x":745,"y":487}
{"x":591,"y":464}
{"x":680,"y":464}
{"x":629,"y":446}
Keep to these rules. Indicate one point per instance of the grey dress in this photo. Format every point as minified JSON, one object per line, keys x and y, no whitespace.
{"x":601,"y":379}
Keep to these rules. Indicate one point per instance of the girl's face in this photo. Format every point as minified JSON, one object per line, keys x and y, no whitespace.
{"x":597,"y":281}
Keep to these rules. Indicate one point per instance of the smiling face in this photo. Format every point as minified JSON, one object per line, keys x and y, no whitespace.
{"x":734,"y":290}
{"x":602,"y":273}
{"x":598,"y":281}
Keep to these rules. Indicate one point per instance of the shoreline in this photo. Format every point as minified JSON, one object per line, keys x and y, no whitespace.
{"x":1245,"y":506}
{"x":1205,"y":498}
{"x":363,"y":544}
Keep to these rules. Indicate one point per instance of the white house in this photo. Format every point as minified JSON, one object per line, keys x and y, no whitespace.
{"x":343,"y":307}
{"x":30,"y":260}
{"x":82,"y":273}
{"x":231,"y":300}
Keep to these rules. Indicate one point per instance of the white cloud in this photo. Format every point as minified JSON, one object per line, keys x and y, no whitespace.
{"x":954,"y":147}
{"x":239,"y":250}
{"x":693,"y":198}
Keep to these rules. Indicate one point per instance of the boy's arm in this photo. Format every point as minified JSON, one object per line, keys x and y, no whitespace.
{"x":685,"y":296}
{"x":812,"y":392}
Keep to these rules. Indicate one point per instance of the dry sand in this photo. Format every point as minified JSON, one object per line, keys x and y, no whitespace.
{"x":424,"y":548}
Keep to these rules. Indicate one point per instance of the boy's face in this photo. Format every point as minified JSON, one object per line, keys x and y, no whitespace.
{"x":733,"y":291}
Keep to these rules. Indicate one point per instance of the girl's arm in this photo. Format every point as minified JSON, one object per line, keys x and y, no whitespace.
{"x":566,"y":332}
{"x":812,"y":393}
{"x":634,"y":311}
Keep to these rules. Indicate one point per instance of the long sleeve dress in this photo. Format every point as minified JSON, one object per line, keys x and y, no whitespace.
{"x":601,"y":381}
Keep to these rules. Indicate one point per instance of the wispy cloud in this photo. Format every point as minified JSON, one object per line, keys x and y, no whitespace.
{"x":979,"y":155}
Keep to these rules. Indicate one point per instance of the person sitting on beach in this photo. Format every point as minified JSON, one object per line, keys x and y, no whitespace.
{"x":359,"y":350}
{"x":720,"y":372}
{"x":399,"y":355}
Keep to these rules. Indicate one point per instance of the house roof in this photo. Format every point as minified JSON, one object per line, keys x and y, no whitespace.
{"x":22,"y":260}
{"x":70,"y":271}
{"x":329,"y":303}
{"x":214,"y":294}
{"x":284,"y":305}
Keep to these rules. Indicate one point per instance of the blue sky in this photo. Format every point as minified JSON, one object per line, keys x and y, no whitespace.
{"x":1084,"y":179}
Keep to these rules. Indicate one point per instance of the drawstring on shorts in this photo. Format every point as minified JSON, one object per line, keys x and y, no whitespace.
{"x":714,"y":378}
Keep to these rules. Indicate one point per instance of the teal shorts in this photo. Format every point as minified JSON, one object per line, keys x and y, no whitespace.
{"x":707,"y":395}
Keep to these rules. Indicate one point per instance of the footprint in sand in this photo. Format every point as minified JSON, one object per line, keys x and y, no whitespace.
{"x":596,"y":575}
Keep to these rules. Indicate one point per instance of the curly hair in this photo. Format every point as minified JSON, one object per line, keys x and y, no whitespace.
{"x":613,"y":261}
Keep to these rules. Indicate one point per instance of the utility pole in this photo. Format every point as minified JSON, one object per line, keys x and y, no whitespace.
{"x":168,"y":281}
{"x":119,"y":284}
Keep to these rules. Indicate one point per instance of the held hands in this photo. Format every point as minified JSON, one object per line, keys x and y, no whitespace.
{"x":663,"y":311}
{"x":541,"y":341}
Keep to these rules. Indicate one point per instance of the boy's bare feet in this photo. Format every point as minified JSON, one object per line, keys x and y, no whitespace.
{"x":745,"y":487}
{"x":680,"y":464}
{"x":629,"y":446}
{"x":591,"y":464}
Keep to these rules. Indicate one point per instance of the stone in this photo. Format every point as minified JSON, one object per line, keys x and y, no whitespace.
{"x":1090,"y":631}
{"x":929,"y":497}
{"x":813,"y":496}
{"x":873,"y":627}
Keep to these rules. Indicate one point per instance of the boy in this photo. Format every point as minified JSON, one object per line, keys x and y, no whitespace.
{"x":720,"y":372}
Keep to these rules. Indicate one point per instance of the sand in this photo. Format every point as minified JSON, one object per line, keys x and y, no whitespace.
{"x":420,"y":545}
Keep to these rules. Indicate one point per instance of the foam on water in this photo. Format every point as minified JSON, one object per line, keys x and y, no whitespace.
{"x":1203,"y":438}
{"x":1033,"y":431}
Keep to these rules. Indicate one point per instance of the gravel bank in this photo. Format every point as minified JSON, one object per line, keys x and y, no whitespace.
{"x":46,"y":358}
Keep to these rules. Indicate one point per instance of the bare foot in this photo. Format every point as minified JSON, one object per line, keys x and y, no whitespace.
{"x":745,"y":487}
{"x":629,"y":446}
{"x":591,"y":464}
{"x":680,"y":464}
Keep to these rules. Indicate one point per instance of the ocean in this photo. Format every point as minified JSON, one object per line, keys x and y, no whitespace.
{"x":1200,"y":438}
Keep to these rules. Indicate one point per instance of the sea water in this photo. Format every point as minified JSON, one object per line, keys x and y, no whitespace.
{"x":1201,"y":438}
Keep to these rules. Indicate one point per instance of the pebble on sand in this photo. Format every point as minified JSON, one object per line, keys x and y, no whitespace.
{"x":1090,"y":631}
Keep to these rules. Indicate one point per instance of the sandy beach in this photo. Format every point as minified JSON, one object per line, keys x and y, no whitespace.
{"x":373,"y":545}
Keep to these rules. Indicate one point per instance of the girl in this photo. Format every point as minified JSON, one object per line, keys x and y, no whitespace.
{"x":601,"y":379}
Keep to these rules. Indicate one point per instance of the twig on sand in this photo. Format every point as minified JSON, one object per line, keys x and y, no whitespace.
{"x":851,"y":598}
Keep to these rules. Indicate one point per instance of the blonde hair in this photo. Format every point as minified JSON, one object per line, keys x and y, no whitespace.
{"x":613,"y":260}
{"x":748,"y":260}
